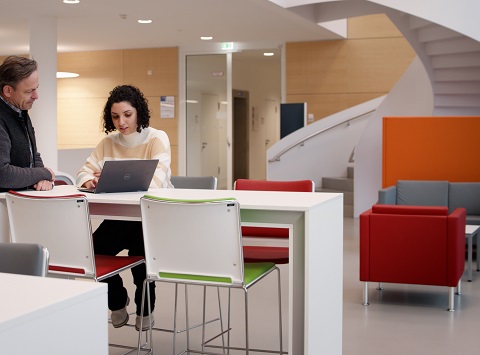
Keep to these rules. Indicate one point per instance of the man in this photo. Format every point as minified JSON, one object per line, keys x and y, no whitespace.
{"x":21,"y":166}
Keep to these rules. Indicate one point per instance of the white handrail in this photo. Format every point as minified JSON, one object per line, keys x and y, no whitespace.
{"x":301,"y":142}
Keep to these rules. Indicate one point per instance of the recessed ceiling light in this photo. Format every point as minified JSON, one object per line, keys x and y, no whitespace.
{"x":71,"y":1}
{"x":268,"y":54}
{"x":144,"y":21}
{"x":63,"y":75}
{"x":206,"y":38}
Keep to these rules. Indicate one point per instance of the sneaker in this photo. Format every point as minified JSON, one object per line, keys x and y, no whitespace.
{"x":120,"y":317}
{"x":147,"y":321}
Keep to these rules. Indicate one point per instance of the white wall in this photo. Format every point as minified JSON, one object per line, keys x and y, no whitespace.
{"x":411,"y":96}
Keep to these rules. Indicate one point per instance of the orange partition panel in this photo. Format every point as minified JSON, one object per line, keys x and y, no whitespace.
{"x":431,"y":148}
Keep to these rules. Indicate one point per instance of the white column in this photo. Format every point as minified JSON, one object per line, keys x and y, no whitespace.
{"x":43,"y":48}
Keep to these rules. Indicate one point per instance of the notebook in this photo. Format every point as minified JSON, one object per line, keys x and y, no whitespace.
{"x":124,"y":176}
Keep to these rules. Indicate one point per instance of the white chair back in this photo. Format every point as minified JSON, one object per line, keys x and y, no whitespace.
{"x":61,"y":224}
{"x":185,"y":239}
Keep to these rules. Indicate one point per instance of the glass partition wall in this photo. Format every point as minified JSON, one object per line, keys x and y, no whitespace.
{"x":207,"y":145}
{"x":231,"y":114}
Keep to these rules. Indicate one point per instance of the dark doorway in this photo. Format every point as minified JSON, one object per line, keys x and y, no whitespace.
{"x":240,"y":135}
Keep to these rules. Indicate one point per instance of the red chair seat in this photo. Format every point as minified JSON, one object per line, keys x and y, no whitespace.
{"x":277,"y":255}
{"x":255,"y":254}
{"x":108,"y":264}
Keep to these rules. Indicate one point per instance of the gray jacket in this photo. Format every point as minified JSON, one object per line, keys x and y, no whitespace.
{"x":15,"y":170}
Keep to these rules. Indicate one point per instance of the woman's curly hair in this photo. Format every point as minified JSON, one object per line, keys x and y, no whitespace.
{"x":134,"y":97}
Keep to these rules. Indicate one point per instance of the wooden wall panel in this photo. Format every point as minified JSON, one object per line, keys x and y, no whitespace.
{"x":162,"y":63}
{"x":100,"y":72}
{"x":79,"y":122}
{"x":372,"y":26}
{"x":375,"y":65}
{"x":316,"y":67}
{"x":323,"y":105}
{"x":335,"y":75}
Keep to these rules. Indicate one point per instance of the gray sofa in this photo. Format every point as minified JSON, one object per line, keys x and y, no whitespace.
{"x":435,"y":193}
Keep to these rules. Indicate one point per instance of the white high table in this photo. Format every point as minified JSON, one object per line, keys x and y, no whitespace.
{"x":44,"y":316}
{"x":316,"y":251}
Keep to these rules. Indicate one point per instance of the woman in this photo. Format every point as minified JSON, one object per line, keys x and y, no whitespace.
{"x":127,"y":113}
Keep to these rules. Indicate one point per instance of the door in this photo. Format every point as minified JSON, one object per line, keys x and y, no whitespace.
{"x":206,"y":133}
{"x":241,"y":141}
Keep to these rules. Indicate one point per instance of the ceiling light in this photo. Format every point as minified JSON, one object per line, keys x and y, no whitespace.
{"x":144,"y":21}
{"x":206,"y":38}
{"x":63,"y":75}
{"x":71,"y":1}
{"x":268,"y":54}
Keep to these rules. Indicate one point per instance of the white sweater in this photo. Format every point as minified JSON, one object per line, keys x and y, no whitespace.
{"x":150,"y":143}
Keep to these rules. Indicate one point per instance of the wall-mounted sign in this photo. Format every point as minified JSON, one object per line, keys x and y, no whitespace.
{"x":227,"y":46}
{"x":167,"y":106}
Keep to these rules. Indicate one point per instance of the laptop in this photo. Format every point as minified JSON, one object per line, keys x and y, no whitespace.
{"x":124,"y":176}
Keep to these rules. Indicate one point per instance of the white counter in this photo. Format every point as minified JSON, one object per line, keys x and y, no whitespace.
{"x":45,"y":316}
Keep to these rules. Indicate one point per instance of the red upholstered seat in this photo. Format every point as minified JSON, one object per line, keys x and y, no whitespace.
{"x":105,"y":265}
{"x":412,"y":245}
{"x":277,"y":255}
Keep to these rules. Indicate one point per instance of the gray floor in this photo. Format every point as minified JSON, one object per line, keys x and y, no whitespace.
{"x":401,"y":319}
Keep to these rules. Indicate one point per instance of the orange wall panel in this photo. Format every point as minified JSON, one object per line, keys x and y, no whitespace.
{"x":431,"y":148}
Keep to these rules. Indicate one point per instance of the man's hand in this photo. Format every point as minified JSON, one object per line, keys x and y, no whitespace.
{"x":43,"y":185}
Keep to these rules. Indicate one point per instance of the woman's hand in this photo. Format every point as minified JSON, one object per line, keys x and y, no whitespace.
{"x":90,"y":184}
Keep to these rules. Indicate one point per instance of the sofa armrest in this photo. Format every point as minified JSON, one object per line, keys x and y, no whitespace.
{"x":456,"y":246}
{"x":388,"y":196}
{"x":365,"y":245}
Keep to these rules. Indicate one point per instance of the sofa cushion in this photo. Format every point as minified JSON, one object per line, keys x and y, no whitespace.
{"x":465,"y":194}
{"x":422,"y":193}
{"x":410,"y":210}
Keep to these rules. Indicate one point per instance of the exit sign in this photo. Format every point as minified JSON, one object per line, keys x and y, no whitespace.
{"x":227,"y":46}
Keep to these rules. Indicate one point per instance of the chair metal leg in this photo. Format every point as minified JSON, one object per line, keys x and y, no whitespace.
{"x":221,"y":319}
{"x":365,"y":294}
{"x":149,"y":338}
{"x":203,"y":316}
{"x":175,"y":306}
{"x":280,"y":323}
{"x":380,"y":286}
{"x":451,"y":299}
{"x":247,"y":346}
{"x":187,"y":322}
{"x":459,"y":287}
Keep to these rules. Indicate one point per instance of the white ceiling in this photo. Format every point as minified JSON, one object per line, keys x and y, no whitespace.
{"x":98,"y":24}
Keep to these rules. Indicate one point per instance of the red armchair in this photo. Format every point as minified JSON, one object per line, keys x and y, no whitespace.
{"x":412,"y":245}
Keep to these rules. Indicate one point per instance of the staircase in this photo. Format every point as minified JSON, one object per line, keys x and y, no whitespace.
{"x":342,"y":185}
{"x":452,"y":61}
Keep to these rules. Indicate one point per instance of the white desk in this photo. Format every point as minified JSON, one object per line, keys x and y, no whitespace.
{"x":44,"y":316}
{"x":316,"y":252}
{"x":471,"y":231}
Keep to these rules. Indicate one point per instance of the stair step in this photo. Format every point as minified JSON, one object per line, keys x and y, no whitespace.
{"x":449,"y":46}
{"x":348,"y":211}
{"x":350,"y":173}
{"x":451,"y":100}
{"x":337,"y":183}
{"x":456,"y":60}
{"x":454,"y":87}
{"x":435,"y":33}
{"x":457,"y":74}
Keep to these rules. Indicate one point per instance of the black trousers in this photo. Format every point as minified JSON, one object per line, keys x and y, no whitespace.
{"x":110,"y":238}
